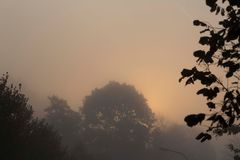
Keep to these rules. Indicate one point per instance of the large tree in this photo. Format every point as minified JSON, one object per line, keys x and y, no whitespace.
{"x":118,"y":122}
{"x":23,"y":137}
{"x":219,"y":57}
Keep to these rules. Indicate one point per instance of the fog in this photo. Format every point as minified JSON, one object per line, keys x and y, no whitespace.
{"x":67,"y":49}
{"x":116,"y":123}
{"x":70,"y":47}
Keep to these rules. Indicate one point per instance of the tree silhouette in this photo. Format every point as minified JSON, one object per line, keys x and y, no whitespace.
{"x":118,"y":122}
{"x":69,"y":124}
{"x":219,"y":58}
{"x":22,"y":136}
{"x":64,"y":119}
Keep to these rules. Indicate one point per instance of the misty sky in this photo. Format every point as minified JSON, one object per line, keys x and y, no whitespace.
{"x":69,"y":47}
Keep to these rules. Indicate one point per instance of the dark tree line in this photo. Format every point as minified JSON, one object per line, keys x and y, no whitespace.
{"x":116,"y":123}
{"x":23,"y":137}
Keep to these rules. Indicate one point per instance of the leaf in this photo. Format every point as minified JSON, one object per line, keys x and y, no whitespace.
{"x":199,"y":23}
{"x":186,"y":72}
{"x":222,"y":12}
{"x":204,"y":40}
{"x":191,"y":120}
{"x":218,"y":10}
{"x":229,"y":8}
{"x":196,"y":22}
{"x":206,"y":137}
{"x":211,"y":105}
{"x":180,"y":79}
{"x":209,"y":93}
{"x":229,"y":74}
{"x":194,"y":119}
{"x":200,"y":136}
{"x":203,"y":137}
{"x":234,"y":2}
{"x":228,"y":63}
{"x":233,"y":33}
{"x":211,"y":3}
{"x":203,"y":91}
{"x":199,"y":54}
{"x":189,"y":81}
{"x":208,"y":57}
{"x":214,"y":7}
{"x":201,"y":117}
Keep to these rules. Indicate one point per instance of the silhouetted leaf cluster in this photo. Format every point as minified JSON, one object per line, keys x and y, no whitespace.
{"x":220,"y":55}
{"x":205,"y":77}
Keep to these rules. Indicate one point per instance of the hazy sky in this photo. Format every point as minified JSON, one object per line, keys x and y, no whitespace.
{"x":69,"y":47}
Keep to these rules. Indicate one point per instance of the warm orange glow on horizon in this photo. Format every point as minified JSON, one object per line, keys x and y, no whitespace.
{"x":70,"y":48}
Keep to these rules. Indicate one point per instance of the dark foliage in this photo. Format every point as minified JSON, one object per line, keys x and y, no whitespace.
{"x":23,"y":137}
{"x":64,"y":119}
{"x":220,"y":57}
{"x":69,"y":124}
{"x":118,"y":122}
